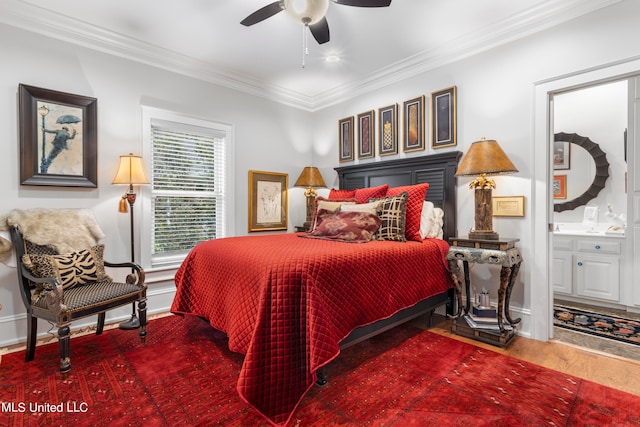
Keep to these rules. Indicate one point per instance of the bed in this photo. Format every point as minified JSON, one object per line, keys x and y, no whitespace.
{"x":290,"y":304}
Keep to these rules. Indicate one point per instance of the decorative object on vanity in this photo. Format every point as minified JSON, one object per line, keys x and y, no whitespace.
{"x":58,"y":138}
{"x":501,"y":252}
{"x":388,"y":130}
{"x":559,"y":187}
{"x":484,"y":157}
{"x":508,"y":205}
{"x":601,"y":172}
{"x":413,"y":124}
{"x":366,"y":135}
{"x":130,"y":172}
{"x":345,"y":139}
{"x":310,"y":178}
{"x":443,"y":118}
{"x":268,"y":203}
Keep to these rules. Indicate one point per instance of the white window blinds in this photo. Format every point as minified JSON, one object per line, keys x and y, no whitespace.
{"x":187,"y":195}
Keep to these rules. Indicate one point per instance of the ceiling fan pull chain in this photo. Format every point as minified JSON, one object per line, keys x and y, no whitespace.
{"x":304,"y":44}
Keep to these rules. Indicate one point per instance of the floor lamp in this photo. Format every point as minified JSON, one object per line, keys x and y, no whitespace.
{"x":130,"y":172}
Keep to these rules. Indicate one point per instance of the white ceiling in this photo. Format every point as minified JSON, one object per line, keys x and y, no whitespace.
{"x":377,"y":46}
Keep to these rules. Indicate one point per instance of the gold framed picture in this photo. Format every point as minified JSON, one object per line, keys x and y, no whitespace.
{"x":388,"y":130}
{"x":508,"y":205}
{"x":443,"y":118}
{"x":366,"y":135}
{"x":268,"y":203}
{"x":413,"y":125}
{"x":345,"y":139}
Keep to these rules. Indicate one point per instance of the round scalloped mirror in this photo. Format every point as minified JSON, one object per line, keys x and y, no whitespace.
{"x":601,"y":173}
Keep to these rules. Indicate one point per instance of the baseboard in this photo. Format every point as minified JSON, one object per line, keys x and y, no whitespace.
{"x":13,"y":329}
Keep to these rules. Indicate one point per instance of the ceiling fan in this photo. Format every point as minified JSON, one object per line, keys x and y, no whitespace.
{"x":311,"y":13}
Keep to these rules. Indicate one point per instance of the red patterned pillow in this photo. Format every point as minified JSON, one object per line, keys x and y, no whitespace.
{"x":331,"y":205}
{"x":341,"y":194}
{"x":364,"y":194}
{"x":355,"y":227}
{"x":417,"y":194}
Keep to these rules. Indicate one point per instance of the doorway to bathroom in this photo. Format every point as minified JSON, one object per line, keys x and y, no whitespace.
{"x":589,"y":250}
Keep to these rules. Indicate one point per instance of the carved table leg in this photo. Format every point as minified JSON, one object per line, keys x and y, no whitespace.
{"x":505,"y":275}
{"x":454,"y":269}
{"x":467,"y":285}
{"x":512,"y":279}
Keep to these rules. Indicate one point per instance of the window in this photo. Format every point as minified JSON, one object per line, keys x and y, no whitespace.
{"x":189,"y":195}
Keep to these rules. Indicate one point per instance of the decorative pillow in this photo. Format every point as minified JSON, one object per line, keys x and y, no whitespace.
{"x":341,"y":194}
{"x":431,"y":221}
{"x":355,"y":227}
{"x":364,"y":194}
{"x":76,"y":268}
{"x":373,"y":207}
{"x":322,"y":203}
{"x":392,"y":214}
{"x":417,"y":193}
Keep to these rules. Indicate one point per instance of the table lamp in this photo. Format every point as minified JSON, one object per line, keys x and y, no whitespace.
{"x":484,"y":157}
{"x":310,"y":178}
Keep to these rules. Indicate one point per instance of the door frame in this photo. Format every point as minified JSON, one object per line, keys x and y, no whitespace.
{"x":542,"y":202}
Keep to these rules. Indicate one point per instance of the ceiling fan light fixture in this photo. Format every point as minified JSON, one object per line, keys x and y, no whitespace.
{"x":307,"y":11}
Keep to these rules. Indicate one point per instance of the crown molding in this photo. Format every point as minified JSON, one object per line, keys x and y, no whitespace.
{"x":51,"y":24}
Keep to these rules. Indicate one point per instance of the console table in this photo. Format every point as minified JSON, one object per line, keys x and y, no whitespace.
{"x":497,"y":252}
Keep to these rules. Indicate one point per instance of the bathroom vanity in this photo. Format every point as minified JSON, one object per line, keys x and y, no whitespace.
{"x":588,"y":263}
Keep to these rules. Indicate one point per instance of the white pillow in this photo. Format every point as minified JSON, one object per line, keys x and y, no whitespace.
{"x":371,"y":207}
{"x":431,"y":221}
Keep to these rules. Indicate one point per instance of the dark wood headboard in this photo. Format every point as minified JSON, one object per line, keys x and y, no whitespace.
{"x":436,"y":169}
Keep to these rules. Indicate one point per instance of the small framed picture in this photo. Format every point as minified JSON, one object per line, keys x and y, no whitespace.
{"x":58,"y":138}
{"x":413,"y":126}
{"x":268,"y":200}
{"x":561,"y":155}
{"x":345,"y":139}
{"x":443,"y":118}
{"x":366,"y":135}
{"x":508,"y":206}
{"x":388,"y":130}
{"x":560,"y":186}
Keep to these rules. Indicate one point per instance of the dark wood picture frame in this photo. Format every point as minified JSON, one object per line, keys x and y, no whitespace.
{"x":444,"y":118}
{"x":388,"y":130}
{"x":345,"y":139}
{"x":413,"y":124}
{"x":58,"y":138}
{"x":366,"y":134}
{"x":268,"y":202}
{"x":561,"y":155}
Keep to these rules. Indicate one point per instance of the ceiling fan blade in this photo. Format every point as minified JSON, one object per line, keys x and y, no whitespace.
{"x":261,"y":14}
{"x":364,"y":3}
{"x":320,"y":31}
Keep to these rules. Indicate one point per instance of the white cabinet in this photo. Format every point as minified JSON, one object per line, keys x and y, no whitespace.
{"x":587,"y":266}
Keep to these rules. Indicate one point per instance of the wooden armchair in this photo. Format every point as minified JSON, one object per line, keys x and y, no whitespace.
{"x":60,"y":288}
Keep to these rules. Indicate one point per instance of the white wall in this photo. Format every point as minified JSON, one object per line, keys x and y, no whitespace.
{"x":267,"y":136}
{"x":495,"y":100}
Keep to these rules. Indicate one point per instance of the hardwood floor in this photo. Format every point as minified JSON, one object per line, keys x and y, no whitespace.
{"x":613,"y":371}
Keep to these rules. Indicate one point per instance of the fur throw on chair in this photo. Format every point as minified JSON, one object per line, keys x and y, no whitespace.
{"x":67,"y":230}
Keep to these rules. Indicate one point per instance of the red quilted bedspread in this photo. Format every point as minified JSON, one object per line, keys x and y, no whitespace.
{"x":286,"y":302}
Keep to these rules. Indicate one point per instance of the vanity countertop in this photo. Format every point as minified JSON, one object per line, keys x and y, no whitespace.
{"x":579,"y":229}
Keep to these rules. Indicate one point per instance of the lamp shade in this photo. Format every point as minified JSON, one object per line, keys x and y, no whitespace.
{"x":485,"y":157}
{"x":130,"y":171}
{"x":310,"y":177}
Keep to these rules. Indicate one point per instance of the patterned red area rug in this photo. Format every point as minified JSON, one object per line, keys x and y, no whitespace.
{"x":185,"y":375}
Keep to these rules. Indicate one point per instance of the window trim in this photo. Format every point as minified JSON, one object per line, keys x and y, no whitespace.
{"x":144,"y":224}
